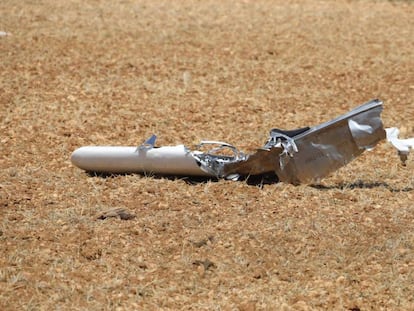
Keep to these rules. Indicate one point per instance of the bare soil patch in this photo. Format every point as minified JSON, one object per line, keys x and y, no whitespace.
{"x":76,"y":73}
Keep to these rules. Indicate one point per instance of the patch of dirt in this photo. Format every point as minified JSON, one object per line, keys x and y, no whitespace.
{"x":75,"y":73}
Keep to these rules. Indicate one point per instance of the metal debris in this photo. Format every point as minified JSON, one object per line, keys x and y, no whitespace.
{"x":318,"y":151}
{"x":304,"y":155}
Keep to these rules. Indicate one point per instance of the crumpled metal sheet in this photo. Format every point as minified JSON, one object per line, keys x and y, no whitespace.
{"x":310,"y":155}
{"x":329,"y":146}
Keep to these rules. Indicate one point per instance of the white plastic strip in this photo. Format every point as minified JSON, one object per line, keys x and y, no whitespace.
{"x":402,"y":145}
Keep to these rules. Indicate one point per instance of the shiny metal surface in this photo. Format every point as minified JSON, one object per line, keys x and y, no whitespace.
{"x":317,"y":152}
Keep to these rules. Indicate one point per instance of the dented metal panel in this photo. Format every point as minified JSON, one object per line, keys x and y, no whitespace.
{"x":316,"y":152}
{"x":331,"y":145}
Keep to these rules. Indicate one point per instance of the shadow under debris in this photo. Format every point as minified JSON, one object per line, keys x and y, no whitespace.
{"x":360,"y":184}
{"x":256,"y":180}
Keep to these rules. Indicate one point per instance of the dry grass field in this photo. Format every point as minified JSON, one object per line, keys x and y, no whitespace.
{"x":75,"y":73}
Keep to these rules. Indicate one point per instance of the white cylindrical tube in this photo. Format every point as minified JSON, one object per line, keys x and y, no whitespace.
{"x":171,"y":160}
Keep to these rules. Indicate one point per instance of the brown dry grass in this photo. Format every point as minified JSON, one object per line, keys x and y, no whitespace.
{"x":76,"y":72}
